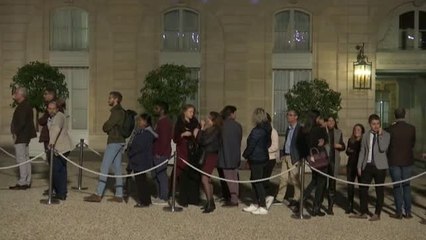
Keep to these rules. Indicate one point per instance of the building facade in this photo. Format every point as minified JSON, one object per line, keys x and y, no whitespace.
{"x":247,"y":53}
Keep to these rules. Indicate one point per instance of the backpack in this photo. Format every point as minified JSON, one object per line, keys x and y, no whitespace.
{"x":128,"y":123}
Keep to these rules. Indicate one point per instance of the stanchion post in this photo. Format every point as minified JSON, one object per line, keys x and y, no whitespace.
{"x":172,"y":207}
{"x":81,"y":146}
{"x":50,"y":200}
{"x":300,"y":214}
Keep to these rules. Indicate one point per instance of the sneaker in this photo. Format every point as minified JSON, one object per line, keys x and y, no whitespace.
{"x":250,"y":208}
{"x":160,"y":202}
{"x":115,"y":199}
{"x":93,"y":198}
{"x":269,"y":200}
{"x":260,"y":211}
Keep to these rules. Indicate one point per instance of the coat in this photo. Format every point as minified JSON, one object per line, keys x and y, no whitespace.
{"x":380,"y":148}
{"x":140,"y":152}
{"x":209,"y":140}
{"x":113,"y":124}
{"x":402,"y":142}
{"x":22,"y":126}
{"x":230,"y":148}
{"x":338,"y":138}
{"x":258,"y":143}
{"x":58,"y":133}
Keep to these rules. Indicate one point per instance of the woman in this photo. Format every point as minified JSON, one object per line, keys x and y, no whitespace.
{"x":313,"y":135}
{"x":209,"y":139}
{"x":187,"y":149}
{"x":59,"y":140}
{"x":354,"y":146}
{"x":274,"y":154}
{"x":257,"y":155}
{"x":141,"y":157}
{"x":336,"y":146}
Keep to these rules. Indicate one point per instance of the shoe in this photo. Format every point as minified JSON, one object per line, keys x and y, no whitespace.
{"x":375,"y":217}
{"x":396,"y":216}
{"x":160,"y":202}
{"x":260,"y":211}
{"x":293,"y":203}
{"x":250,"y":208}
{"x":140,"y":205}
{"x":277,"y":202}
{"x":316,"y":211}
{"x":359,"y":216}
{"x":115,"y":199}
{"x":93,"y":198}
{"x":59,"y":197}
{"x":350,"y":208}
{"x":46,"y":192}
{"x":229,"y":205}
{"x":210,"y":207}
{"x":269,"y":201}
{"x":408,"y":216}
{"x":19,"y":187}
{"x":330,"y":212}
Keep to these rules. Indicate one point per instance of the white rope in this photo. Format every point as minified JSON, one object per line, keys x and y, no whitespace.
{"x":364,"y":184}
{"x":113,"y":176}
{"x":7,"y":153}
{"x":22,"y":163}
{"x":237,"y":181}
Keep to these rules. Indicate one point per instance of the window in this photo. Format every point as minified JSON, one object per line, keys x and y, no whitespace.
{"x":181,"y":31}
{"x":283,"y":81}
{"x":292,"y":30}
{"x":412,"y":30}
{"x":69,"y":30}
{"x":195,"y":74}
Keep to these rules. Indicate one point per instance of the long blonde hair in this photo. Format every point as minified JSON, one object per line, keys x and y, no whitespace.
{"x":259,"y":116}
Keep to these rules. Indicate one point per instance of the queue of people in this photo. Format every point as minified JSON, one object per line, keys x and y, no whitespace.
{"x":215,"y":143}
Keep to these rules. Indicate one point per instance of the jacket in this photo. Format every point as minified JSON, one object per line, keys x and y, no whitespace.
{"x":294,"y":151}
{"x":230,"y":146}
{"x":113,"y":124}
{"x":337,"y":138}
{"x":274,"y":149}
{"x":402,"y":142}
{"x":258,"y":143}
{"x":379,"y":151}
{"x":352,"y":150}
{"x":140,"y":152}
{"x":58,"y":133}
{"x":22,"y":126}
{"x":44,"y":132}
{"x":209,"y":140}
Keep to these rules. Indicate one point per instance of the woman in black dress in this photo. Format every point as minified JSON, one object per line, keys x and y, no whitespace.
{"x":354,"y":146}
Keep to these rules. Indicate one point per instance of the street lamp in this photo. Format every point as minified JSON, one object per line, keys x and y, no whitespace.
{"x":362,"y":70}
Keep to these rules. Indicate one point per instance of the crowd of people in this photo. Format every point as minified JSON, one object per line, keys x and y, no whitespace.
{"x":215,"y":143}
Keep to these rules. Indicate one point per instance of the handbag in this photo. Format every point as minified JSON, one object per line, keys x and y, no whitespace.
{"x":320,"y":158}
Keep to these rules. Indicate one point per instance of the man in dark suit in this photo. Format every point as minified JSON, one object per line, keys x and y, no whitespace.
{"x":291,"y":158}
{"x":401,"y":160}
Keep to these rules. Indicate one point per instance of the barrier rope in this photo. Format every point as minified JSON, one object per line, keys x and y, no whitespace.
{"x":238,"y":181}
{"x":114,"y":176}
{"x":22,"y":163}
{"x":7,"y":153}
{"x":364,"y":184}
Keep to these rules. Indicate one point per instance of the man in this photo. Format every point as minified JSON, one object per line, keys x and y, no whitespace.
{"x":401,"y":160}
{"x":113,"y":152}
{"x":23,"y":130}
{"x":290,"y":159}
{"x":372,"y":164}
{"x":230,"y":152}
{"x":162,"y":152}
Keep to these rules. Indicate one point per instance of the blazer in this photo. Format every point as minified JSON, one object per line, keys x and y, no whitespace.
{"x":294,"y":150}
{"x":58,"y":133}
{"x":403,"y":139}
{"x":22,"y":125}
{"x":380,"y":148}
{"x":230,"y":148}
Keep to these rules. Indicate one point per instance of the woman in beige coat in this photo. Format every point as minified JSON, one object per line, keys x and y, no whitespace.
{"x":60,"y":142}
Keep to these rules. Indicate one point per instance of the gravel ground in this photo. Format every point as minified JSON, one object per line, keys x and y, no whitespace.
{"x":23,"y":217}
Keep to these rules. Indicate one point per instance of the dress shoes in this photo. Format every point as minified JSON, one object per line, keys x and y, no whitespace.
{"x":374,"y":218}
{"x":60,"y":197}
{"x":396,"y":216}
{"x":408,"y":216}
{"x":115,"y":199}
{"x":93,"y":198}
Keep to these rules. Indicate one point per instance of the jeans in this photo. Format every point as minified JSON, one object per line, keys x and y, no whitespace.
{"x":402,"y":191}
{"x":259,"y":189}
{"x":22,"y":155}
{"x":161,"y":179}
{"x":60,"y":175}
{"x":112,"y":157}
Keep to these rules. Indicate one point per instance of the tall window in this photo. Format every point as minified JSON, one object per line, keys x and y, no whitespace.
{"x":284,"y":80}
{"x":181,"y":31}
{"x":412,"y":30}
{"x":69,"y":30}
{"x":195,"y":100}
{"x":292,"y":30}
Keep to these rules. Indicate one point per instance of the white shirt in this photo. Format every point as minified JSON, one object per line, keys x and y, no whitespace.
{"x":274,"y":149}
{"x":370,"y":148}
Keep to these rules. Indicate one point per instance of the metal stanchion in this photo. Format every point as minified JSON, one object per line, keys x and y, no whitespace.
{"x":50,"y":200}
{"x":300,"y":214}
{"x":81,"y":145}
{"x":172,"y":207}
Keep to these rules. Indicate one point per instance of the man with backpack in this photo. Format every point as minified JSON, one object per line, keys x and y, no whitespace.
{"x":116,"y":130}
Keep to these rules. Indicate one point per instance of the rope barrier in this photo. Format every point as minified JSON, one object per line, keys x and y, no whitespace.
{"x":364,"y":184}
{"x":22,"y":163}
{"x":237,"y":181}
{"x":113,"y":176}
{"x":7,"y":153}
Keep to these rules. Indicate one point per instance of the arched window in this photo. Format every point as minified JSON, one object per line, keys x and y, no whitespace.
{"x":69,"y":30}
{"x":292,"y":29}
{"x":181,"y":31}
{"x":412,"y":30}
